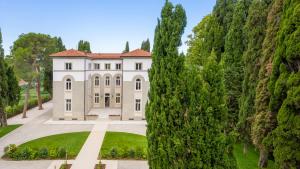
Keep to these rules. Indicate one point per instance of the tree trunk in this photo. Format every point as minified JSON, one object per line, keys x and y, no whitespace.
{"x":245,"y":150}
{"x":38,"y":88}
{"x":263,"y":158}
{"x":26,"y":100}
{"x":3,"y":120}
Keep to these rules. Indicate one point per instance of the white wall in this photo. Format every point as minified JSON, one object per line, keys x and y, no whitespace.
{"x":129,"y":71}
{"x":77,"y":63}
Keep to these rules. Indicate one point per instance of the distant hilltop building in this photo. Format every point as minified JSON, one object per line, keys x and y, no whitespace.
{"x":105,"y":84}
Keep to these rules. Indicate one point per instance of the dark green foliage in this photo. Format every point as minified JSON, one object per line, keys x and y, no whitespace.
{"x":208,"y":146}
{"x":126,"y":47}
{"x":3,"y":85}
{"x":146,"y":45}
{"x":255,"y":33}
{"x":84,"y":46}
{"x":164,"y":111}
{"x":264,"y":120}
{"x":233,"y":63}
{"x":207,"y":36}
{"x":43,"y":153}
{"x":284,"y":87}
{"x":13,"y":94}
{"x":114,"y":152}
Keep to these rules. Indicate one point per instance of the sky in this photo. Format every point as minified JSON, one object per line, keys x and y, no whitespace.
{"x":106,"y":24}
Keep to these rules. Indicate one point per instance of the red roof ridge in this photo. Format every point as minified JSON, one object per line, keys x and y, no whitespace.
{"x":76,"y":53}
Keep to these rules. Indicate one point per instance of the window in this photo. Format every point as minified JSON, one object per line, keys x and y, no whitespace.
{"x":118,"y":98}
{"x":107,"y":81}
{"x":137,"y":104}
{"x":107,"y":66}
{"x":97,"y":98}
{"x":68,"y":105}
{"x":68,"y":66}
{"x":90,"y":66}
{"x":97,"y":81}
{"x":138,"y":84}
{"x":68,"y":84}
{"x":96,"y":66}
{"x":118,"y":81}
{"x":138,"y":66}
{"x":118,"y":66}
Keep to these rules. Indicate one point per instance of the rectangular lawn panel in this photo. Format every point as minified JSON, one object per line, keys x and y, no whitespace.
{"x":120,"y":141}
{"x":7,"y":129}
{"x":72,"y":142}
{"x":249,"y":160}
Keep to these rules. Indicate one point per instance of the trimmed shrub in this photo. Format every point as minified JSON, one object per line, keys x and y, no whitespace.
{"x":131,"y":153}
{"x":43,"y":153}
{"x":18,"y":108}
{"x":139,"y":152}
{"x":53,"y":153}
{"x":25,"y":154}
{"x":114,"y":152}
{"x":61,"y":152}
{"x":124,"y":152}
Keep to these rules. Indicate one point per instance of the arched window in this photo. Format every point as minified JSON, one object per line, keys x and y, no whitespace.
{"x":118,"y":81}
{"x":107,"y":81}
{"x":68,"y":84}
{"x":138,"y":84}
{"x":97,"y":81}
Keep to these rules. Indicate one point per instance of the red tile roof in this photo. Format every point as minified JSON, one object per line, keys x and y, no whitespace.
{"x":76,"y":53}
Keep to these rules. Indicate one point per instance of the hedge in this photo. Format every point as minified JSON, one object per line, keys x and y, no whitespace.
{"x":27,"y":153}
{"x":18,"y":108}
{"x":137,"y":153}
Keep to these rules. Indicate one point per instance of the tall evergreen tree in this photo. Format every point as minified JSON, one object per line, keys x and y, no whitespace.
{"x":146,"y":45}
{"x":284,"y":87}
{"x":233,"y":63}
{"x":126,"y":47}
{"x":255,"y":35}
{"x":84,"y":46}
{"x":223,"y":13}
{"x":3,"y":86}
{"x":209,"y":147}
{"x":164,"y":110}
{"x":264,"y":120}
{"x":203,"y":40}
{"x":13,"y":94}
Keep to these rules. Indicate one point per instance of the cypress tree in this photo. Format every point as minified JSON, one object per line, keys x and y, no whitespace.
{"x":84,"y":46}
{"x":146,"y":45}
{"x":233,"y":65}
{"x":206,"y":37}
{"x":3,"y":86}
{"x":255,"y":35}
{"x":126,"y":47}
{"x":209,"y":147}
{"x":13,"y":94}
{"x":264,"y":120}
{"x":164,"y":110}
{"x":284,"y":87}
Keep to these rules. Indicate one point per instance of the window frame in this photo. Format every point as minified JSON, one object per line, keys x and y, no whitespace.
{"x":118,"y":66}
{"x":107,"y":81}
{"x":96,"y":66}
{"x":96,"y":98}
{"x":118,"y":98}
{"x":139,"y":66}
{"x":68,"y":65}
{"x":137,"y":105}
{"x":107,"y":66}
{"x":68,"y":105}
{"x":97,"y":79}
{"x":138,"y":84}
{"x":68,"y":84}
{"x":118,"y":79}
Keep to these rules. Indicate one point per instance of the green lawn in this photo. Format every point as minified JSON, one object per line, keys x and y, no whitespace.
{"x":250,"y":160}
{"x":71,"y":141}
{"x":121,"y":141}
{"x":9,"y":128}
{"x":32,"y":93}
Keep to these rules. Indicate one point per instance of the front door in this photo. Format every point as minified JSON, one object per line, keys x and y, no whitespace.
{"x":107,"y":99}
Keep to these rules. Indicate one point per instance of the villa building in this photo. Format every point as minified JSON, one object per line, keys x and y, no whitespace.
{"x":88,"y":84}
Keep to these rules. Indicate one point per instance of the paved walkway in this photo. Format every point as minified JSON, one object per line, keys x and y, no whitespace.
{"x":88,"y":155}
{"x":35,"y":128}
